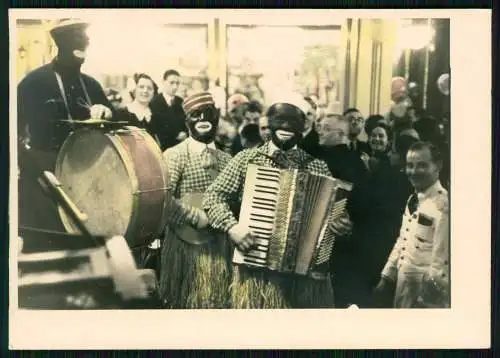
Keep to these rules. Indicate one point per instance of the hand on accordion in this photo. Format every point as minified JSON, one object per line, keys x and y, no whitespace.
{"x":241,"y":237}
{"x":341,"y":226}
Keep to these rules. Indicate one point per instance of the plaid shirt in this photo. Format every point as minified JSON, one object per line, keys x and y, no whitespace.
{"x":227,"y":190}
{"x":186,"y":174}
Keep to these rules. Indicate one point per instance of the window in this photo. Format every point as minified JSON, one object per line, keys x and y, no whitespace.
{"x":116,"y":53}
{"x":265,"y":60}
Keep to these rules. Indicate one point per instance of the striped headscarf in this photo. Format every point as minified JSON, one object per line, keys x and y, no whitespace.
{"x":197,"y":101}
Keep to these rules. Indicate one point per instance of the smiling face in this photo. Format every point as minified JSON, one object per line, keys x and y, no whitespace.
{"x":203,"y":122}
{"x":378,"y":139}
{"x":286,"y":123}
{"x":422,"y":170}
{"x":144,"y":91}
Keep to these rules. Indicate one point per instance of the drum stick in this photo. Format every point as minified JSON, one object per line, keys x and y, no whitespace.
{"x":54,"y":187}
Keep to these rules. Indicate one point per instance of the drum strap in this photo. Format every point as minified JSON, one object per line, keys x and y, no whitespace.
{"x":63,"y":93}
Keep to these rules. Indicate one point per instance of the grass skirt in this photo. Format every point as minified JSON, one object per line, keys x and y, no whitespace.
{"x":195,"y":276}
{"x":253,"y":288}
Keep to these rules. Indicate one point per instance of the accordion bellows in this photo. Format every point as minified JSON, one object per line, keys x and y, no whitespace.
{"x":288,"y":212}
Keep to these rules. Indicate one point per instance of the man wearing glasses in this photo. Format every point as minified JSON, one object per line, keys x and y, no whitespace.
{"x":333,"y":133}
{"x":344,"y":164}
{"x":356,"y":125}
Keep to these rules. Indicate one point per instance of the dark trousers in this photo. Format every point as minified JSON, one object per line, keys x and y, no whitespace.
{"x":351,"y":280}
{"x":36,"y":209}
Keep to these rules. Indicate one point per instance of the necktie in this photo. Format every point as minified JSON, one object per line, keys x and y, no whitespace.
{"x":279,"y":157}
{"x":208,"y":158}
{"x":413,"y":203}
{"x":286,"y":160}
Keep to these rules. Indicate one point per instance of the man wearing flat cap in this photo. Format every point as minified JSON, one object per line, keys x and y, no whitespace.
{"x":54,"y":92}
{"x":195,"y":265}
{"x":251,"y":288}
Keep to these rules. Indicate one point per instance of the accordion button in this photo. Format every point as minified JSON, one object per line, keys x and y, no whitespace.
{"x":404,"y":248}
{"x":402,"y":257}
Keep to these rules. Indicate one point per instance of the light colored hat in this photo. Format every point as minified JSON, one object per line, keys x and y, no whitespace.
{"x":196,"y":101}
{"x":235,"y":100}
{"x":59,"y":26}
{"x":292,"y":98}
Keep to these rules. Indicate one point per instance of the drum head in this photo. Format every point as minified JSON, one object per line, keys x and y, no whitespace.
{"x":93,"y":174}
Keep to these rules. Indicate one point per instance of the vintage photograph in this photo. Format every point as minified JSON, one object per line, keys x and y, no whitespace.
{"x":230,"y":162}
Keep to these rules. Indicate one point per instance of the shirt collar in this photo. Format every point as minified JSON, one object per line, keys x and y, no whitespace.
{"x":142,"y":113}
{"x":273,"y":148}
{"x":304,"y":134}
{"x":198,"y":147}
{"x":168,"y":98}
{"x":431,"y":191}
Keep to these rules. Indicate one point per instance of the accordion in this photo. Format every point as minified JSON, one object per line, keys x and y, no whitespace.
{"x":288,"y":212}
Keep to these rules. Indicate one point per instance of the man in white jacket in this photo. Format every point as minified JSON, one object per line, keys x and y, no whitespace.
{"x":418,"y":265}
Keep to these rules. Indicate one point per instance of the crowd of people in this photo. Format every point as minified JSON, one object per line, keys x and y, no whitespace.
{"x":392,"y":248}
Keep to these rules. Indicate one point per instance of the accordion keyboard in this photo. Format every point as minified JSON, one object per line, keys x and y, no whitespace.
{"x":262,"y":200}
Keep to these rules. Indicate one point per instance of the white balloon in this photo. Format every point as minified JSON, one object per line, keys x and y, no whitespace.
{"x":443,"y":84}
{"x":399,"y":109}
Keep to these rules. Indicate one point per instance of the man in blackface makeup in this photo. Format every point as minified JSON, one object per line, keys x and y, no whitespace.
{"x":48,"y":98}
{"x":253,"y":288}
{"x":195,"y":266}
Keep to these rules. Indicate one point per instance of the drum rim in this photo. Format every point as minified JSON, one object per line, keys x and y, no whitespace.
{"x":156,"y":151}
{"x":127,"y":162}
{"x":129,"y":167}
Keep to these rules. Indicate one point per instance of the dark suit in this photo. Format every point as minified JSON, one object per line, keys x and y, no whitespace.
{"x":375,"y":208}
{"x":310,"y":143}
{"x":171,"y":120}
{"x":359,"y":146}
{"x":343,"y":163}
{"x":40,"y":104}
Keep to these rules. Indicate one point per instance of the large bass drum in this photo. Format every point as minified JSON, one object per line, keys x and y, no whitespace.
{"x":118,"y":179}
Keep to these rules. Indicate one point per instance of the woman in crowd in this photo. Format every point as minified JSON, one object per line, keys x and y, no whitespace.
{"x":137,"y":113}
{"x":376,"y":206}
